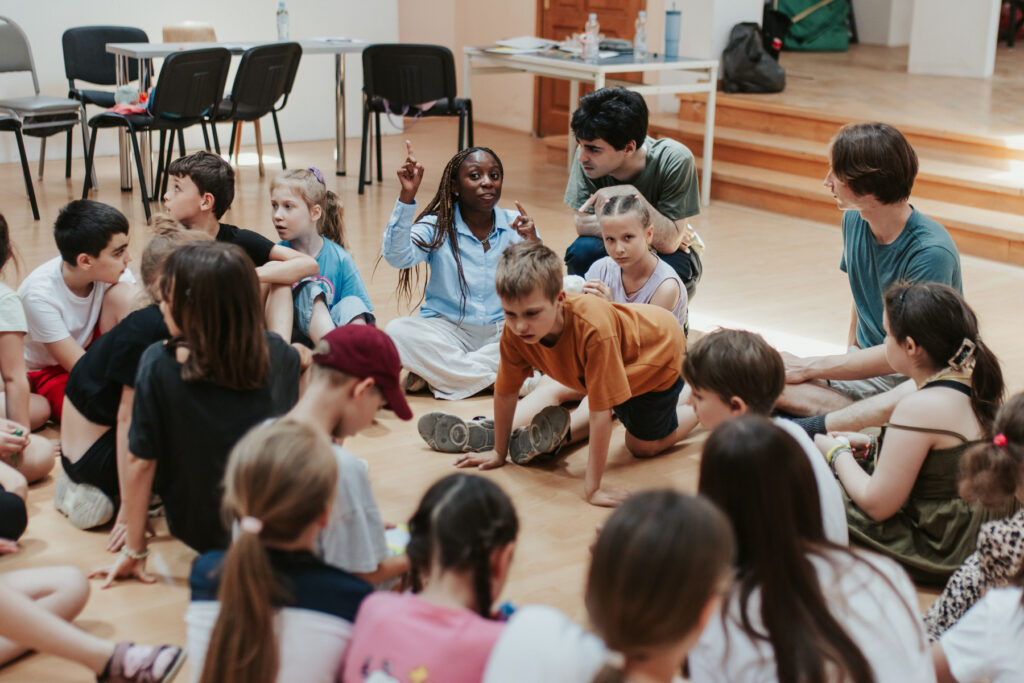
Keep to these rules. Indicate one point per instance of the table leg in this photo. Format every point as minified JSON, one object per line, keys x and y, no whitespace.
{"x":339,"y":113}
{"x":467,"y":81}
{"x":121,"y":72}
{"x":574,"y":103}
{"x":709,"y":137}
{"x":146,"y":141}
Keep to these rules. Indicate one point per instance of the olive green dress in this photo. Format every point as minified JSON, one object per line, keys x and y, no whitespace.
{"x":935,"y":530}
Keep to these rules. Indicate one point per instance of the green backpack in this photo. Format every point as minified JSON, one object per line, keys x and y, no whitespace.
{"x":818,"y":25}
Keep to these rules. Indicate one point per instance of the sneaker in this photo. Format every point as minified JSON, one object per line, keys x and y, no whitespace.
{"x":85,"y":505}
{"x":414,"y":384}
{"x":546,"y":433}
{"x":133,"y":663}
{"x":451,"y":434}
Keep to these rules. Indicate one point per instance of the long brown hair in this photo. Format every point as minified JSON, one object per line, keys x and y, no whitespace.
{"x":443,"y":206}
{"x":313,"y":191}
{"x":658,"y":561}
{"x":938,"y":319}
{"x":761,"y":478}
{"x":215,"y":299}
{"x":283,"y":474}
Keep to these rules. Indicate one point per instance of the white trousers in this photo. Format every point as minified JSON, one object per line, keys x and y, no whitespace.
{"x":456,"y":360}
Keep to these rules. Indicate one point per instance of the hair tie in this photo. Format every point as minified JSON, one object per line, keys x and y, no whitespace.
{"x":1000,"y":440}
{"x":316,"y":172}
{"x":250,"y":525}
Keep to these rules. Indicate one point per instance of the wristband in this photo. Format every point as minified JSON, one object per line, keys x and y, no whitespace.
{"x":133,"y":555}
{"x":830,"y":457}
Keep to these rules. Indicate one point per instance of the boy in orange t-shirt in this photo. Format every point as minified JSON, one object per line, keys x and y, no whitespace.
{"x":627,"y":359}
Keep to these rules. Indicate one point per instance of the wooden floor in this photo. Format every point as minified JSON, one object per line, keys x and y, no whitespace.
{"x":771,"y":273}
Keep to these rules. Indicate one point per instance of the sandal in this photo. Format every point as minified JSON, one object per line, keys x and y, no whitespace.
{"x":133,"y":663}
{"x":451,"y":434}
{"x":546,"y":433}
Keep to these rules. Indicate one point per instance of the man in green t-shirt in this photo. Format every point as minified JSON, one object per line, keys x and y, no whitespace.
{"x":616,"y":157}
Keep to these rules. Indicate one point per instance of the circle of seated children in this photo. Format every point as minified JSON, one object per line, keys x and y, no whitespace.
{"x":802,"y":607}
{"x":451,"y":346}
{"x":308,"y":218}
{"x":901,"y":490}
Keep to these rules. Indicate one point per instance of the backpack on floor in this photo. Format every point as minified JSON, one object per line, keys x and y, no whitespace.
{"x":818,"y":25}
{"x":746,"y":66}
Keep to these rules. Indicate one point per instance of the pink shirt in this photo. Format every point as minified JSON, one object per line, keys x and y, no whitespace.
{"x":412,"y":640}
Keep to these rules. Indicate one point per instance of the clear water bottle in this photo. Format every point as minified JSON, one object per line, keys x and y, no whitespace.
{"x":592,"y":31}
{"x":640,"y":37}
{"x":282,"y":21}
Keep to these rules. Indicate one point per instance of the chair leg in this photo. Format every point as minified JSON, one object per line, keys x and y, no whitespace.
{"x":231,"y":142}
{"x":216,"y":141}
{"x":27,"y":173}
{"x":160,"y":160}
{"x":143,"y":190}
{"x":89,"y":172}
{"x":67,"y":157}
{"x":206,"y":136}
{"x":362,"y":148}
{"x":277,"y":132}
{"x":469,"y":123}
{"x":380,"y":177}
{"x":85,"y":145}
{"x":167,"y":161}
{"x":238,"y":140}
{"x":259,"y":144}
{"x":462,"y":128}
{"x":181,"y":142}
{"x":42,"y":156}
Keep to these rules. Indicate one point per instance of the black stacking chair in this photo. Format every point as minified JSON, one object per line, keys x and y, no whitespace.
{"x":265,"y":75}
{"x":11,"y":123}
{"x":187,"y":93}
{"x":396,"y":77}
{"x":86,"y":59}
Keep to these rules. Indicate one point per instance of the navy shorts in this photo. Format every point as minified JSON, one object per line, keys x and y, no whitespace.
{"x":651,"y":416}
{"x":97,"y":466}
{"x":13,"y":516}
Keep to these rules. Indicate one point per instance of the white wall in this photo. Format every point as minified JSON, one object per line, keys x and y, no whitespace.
{"x":940,"y":46}
{"x":310,"y":111}
{"x":884,"y":22}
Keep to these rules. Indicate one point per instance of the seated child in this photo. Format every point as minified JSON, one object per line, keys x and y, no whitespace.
{"x":98,"y":398}
{"x":196,"y":394}
{"x":985,"y":644}
{"x":992,"y":474}
{"x":267,"y":609}
{"x":13,"y":511}
{"x":201,"y":189}
{"x":35,"y":607}
{"x":77,"y":296}
{"x":626,"y":358}
{"x":452,"y":345}
{"x":802,"y":608}
{"x":462,"y":538}
{"x":735,"y":372}
{"x":901,"y":492}
{"x":31,"y":455}
{"x":308,"y":219}
{"x":354,"y":374}
{"x":658,"y":570}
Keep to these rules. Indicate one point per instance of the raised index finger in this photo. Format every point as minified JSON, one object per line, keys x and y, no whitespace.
{"x":408,"y":150}
{"x":589,"y":203}
{"x":522,"y":211}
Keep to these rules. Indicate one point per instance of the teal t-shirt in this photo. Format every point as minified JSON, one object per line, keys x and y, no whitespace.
{"x":668,"y":181}
{"x":923,"y":252}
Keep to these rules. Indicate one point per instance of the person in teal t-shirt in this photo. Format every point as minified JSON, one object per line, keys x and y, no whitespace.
{"x":885,"y":241}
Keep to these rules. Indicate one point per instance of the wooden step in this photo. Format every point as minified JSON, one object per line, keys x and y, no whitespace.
{"x":980,"y":182}
{"x":990,"y":234}
{"x":748,"y":112}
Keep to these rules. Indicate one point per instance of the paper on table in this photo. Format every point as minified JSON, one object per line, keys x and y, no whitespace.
{"x":526,"y":43}
{"x":335,"y":40}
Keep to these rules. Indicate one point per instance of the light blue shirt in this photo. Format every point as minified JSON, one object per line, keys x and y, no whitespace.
{"x":442,"y":296}
{"x":337,"y":265}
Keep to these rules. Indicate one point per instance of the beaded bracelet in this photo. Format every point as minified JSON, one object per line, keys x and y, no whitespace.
{"x":133,"y":555}
{"x":830,"y":457}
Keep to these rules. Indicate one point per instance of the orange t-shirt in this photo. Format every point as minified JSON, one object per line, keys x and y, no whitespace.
{"x":610,"y":352}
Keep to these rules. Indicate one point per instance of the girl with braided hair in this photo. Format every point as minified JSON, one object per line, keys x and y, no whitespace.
{"x":462,"y":538}
{"x":452,"y":345}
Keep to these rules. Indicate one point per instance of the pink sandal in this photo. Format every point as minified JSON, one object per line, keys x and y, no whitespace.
{"x":133,"y":663}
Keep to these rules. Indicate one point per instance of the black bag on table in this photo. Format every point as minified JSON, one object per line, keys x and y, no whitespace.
{"x":746,"y":67}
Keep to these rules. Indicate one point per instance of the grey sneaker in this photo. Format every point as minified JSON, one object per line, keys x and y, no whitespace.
{"x":451,"y":434}
{"x":414,"y":384}
{"x":546,"y":433}
{"x":85,"y":505}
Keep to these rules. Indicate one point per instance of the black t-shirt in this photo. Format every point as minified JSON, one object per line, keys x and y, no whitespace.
{"x":254,"y":244}
{"x":189,"y":428}
{"x":110,"y":363}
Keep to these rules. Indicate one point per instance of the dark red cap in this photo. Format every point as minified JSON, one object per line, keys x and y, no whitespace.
{"x":364,"y":351}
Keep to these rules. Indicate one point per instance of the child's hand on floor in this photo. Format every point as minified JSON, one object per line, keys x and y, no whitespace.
{"x":607,"y":498}
{"x":488,"y":460}
{"x":124,"y":568}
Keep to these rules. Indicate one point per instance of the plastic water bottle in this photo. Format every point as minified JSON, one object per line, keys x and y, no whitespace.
{"x":640,"y":37}
{"x":590,"y":44}
{"x":282,"y":21}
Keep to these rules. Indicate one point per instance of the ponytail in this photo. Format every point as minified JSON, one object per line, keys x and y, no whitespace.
{"x":986,"y":385}
{"x":993,"y":472}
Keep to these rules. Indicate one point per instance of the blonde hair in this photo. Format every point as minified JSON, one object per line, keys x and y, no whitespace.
{"x":168,"y":235}
{"x":624,"y":204}
{"x":526,"y":266}
{"x":283,"y":474}
{"x":315,"y":193}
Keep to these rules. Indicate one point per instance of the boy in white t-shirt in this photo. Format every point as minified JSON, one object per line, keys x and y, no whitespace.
{"x":74,"y":297}
{"x":354,"y":374}
{"x":735,"y":372}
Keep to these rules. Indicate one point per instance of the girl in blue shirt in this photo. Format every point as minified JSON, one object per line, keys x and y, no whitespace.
{"x":308,"y":218}
{"x":452,"y":345}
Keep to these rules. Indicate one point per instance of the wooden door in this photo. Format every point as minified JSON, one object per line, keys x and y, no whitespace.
{"x":558,"y":20}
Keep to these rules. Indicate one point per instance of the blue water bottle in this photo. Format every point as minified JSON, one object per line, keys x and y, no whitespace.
{"x":672,"y":18}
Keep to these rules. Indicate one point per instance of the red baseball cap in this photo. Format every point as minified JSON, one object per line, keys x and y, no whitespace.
{"x":364,"y":351}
